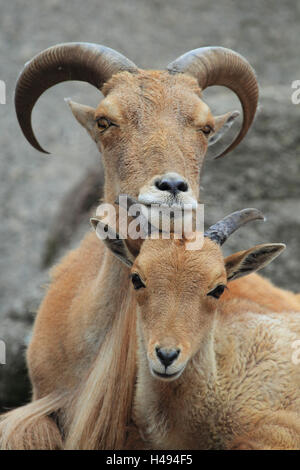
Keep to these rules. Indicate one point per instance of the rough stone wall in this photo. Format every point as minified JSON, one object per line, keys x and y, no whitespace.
{"x":264,"y":171}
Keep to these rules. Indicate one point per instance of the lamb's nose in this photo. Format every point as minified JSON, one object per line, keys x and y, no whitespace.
{"x":173,"y":183}
{"x":167,"y":356}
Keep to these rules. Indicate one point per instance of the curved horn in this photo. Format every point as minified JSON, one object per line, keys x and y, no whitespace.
{"x":224,"y":67}
{"x":220,"y":231}
{"x":81,"y":61}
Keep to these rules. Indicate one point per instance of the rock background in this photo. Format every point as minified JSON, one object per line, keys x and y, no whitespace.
{"x":264,"y":171}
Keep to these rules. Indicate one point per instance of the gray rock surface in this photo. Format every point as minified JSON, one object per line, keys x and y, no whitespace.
{"x":264,"y":172}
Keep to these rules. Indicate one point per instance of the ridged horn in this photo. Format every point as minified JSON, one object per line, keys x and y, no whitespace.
{"x":220,"y":66}
{"x":81,"y":61}
{"x":220,"y":231}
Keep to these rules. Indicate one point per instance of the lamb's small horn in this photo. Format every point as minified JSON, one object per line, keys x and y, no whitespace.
{"x":220,"y":231}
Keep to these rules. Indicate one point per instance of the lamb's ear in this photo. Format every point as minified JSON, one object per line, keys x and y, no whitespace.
{"x":84,"y":115}
{"x":112,"y":240}
{"x":222,"y":125}
{"x":248,"y":261}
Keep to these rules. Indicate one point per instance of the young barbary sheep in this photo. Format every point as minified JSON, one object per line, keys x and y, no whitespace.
{"x":83,"y":355}
{"x":215,"y":370}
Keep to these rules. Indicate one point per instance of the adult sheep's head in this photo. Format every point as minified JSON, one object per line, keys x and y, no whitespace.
{"x":152,"y":127}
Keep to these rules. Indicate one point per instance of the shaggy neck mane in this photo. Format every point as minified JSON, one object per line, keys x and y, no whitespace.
{"x":100,"y":412}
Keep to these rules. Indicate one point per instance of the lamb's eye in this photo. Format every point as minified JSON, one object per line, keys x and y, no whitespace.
{"x":137,"y":281}
{"x":217,"y":291}
{"x":103,"y":123}
{"x":207,"y":130}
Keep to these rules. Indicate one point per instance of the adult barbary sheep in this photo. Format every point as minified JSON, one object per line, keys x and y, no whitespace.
{"x":150,"y":123}
{"x":153,"y":130}
{"x":214,"y":370}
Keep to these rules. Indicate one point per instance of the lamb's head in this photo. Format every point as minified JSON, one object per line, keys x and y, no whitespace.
{"x":152,"y":127}
{"x":178,"y":290}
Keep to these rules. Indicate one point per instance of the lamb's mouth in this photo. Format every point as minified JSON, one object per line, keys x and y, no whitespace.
{"x":165,"y":376}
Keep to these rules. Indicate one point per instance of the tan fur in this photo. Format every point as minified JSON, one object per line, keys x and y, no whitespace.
{"x":84,"y":344}
{"x":240,"y":387}
{"x":83,"y":348}
{"x":260,"y":290}
{"x":83,"y":325}
{"x":81,"y":335}
{"x":29,"y":427}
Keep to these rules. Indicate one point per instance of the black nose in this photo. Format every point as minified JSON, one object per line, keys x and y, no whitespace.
{"x":173,"y":183}
{"x":167,"y":356}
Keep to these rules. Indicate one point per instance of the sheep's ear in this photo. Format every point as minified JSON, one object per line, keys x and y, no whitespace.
{"x":112,"y":240}
{"x":248,"y":261}
{"x":222,"y":125}
{"x":85,"y":115}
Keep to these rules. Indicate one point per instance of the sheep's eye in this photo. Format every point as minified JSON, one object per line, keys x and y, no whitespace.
{"x":137,"y":281}
{"x":207,"y":130}
{"x":103,"y":123}
{"x":217,"y":291}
